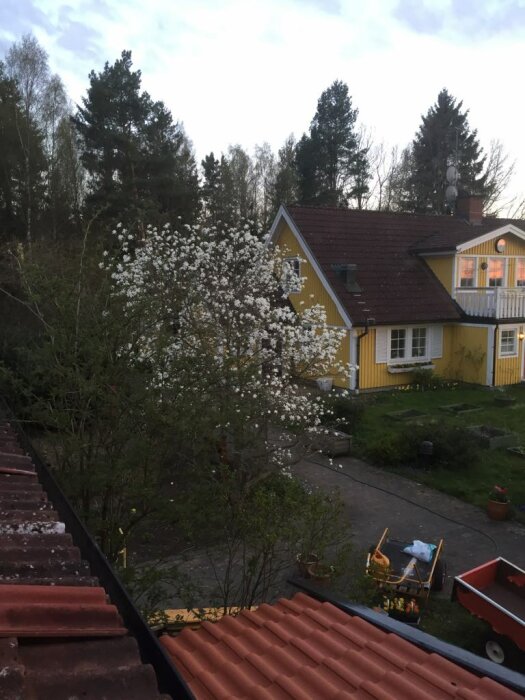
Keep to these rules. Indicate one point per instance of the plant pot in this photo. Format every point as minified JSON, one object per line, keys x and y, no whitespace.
{"x":497,"y":510}
{"x":321,"y":573}
{"x":305,"y":562}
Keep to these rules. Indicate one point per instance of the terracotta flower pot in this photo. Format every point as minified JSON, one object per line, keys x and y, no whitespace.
{"x":305,"y":562}
{"x":321,"y":573}
{"x":497,"y":510}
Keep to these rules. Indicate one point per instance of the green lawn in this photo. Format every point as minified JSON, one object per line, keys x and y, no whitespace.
{"x":491,"y":467}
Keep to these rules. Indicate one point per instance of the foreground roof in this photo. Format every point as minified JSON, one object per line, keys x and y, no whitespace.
{"x":396,"y":284}
{"x":60,"y":636}
{"x":304,"y":649}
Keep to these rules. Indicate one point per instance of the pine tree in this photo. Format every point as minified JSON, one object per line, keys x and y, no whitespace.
{"x":140,"y":162}
{"x":286,"y":184}
{"x":332,"y":168}
{"x":444,"y":138}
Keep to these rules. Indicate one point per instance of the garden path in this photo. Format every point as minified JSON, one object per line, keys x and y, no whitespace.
{"x":375,"y":499}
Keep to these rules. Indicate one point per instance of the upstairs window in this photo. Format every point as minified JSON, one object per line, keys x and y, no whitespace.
{"x":291,"y":279}
{"x":520,"y":272}
{"x":467,"y":272}
{"x":496,"y":272}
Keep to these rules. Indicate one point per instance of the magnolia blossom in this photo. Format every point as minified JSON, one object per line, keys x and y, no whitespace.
{"x":217,"y":333}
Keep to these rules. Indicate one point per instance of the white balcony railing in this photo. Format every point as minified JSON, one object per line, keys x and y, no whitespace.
{"x":492,"y":302}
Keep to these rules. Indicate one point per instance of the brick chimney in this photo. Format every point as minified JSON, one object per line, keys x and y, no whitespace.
{"x":470,"y":207}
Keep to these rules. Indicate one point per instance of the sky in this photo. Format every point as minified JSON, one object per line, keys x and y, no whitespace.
{"x":249,"y":71}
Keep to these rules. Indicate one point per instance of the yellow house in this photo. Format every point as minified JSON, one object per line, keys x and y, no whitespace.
{"x":413,"y":291}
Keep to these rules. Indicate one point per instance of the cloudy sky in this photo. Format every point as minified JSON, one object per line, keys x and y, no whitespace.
{"x":248,"y":71}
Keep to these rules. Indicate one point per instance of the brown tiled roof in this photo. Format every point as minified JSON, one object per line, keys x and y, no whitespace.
{"x":396,"y":285}
{"x":60,"y":637}
{"x":302,"y":649}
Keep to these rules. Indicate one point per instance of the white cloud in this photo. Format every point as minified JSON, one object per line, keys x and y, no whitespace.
{"x":243,"y":71}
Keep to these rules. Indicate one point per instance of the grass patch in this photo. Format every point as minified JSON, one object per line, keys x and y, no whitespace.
{"x":377,"y":435}
{"x":453,"y":624}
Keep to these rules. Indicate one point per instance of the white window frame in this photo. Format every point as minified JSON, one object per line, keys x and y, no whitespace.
{"x":518,"y":260}
{"x":505,"y":271}
{"x":408,"y":346}
{"x":294,"y":261}
{"x":475,"y":278}
{"x":515,"y":352}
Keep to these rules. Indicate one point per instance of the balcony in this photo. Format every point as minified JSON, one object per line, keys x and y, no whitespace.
{"x":492,"y":302}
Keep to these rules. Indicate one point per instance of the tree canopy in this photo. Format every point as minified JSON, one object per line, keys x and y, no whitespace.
{"x":139,"y":161}
{"x":444,"y":138}
{"x":332,"y":168}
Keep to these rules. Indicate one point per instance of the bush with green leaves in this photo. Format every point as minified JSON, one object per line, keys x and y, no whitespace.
{"x":343,"y":413}
{"x":452,"y":447}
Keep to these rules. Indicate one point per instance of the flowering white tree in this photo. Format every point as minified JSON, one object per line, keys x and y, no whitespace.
{"x":220,"y":342}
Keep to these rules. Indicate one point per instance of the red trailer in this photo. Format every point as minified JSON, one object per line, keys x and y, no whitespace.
{"x":495,"y":592}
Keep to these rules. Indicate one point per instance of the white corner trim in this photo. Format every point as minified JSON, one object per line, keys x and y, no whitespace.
{"x":282,"y":214}
{"x":275,"y":226}
{"x":501,"y":231}
{"x":490,"y":353}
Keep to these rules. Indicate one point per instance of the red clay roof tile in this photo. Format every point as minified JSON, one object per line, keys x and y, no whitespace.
{"x":318,"y":651}
{"x":91,"y":655}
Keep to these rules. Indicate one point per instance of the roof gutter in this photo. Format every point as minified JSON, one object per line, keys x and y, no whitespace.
{"x":169,"y":680}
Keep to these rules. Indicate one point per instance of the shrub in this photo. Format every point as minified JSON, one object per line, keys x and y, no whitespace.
{"x":389,"y":451}
{"x":344,"y":413}
{"x":427,"y":379}
{"x":452,"y":448}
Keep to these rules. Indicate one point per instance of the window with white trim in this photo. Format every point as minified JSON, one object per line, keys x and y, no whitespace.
{"x":467,"y":272}
{"x":419,"y":342}
{"x":397,"y":343}
{"x":496,"y":272}
{"x":520,"y":272}
{"x":508,"y":342}
{"x":408,"y":344}
{"x":291,"y":279}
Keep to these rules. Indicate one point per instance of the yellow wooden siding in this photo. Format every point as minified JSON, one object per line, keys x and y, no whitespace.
{"x":442,"y":268}
{"x":508,"y":369}
{"x":373,"y":375}
{"x":468,"y":354}
{"x":514,"y":246}
{"x":343,"y":357}
{"x":313,"y":291}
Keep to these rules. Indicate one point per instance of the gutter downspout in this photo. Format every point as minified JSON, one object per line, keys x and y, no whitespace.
{"x":358,"y":355}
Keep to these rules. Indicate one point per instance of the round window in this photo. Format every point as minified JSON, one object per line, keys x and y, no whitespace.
{"x":500,"y":245}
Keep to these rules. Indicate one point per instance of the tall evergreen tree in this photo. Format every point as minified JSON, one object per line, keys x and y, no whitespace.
{"x":286,"y":183}
{"x":139,"y":161}
{"x":444,"y":138}
{"x":332,"y":168}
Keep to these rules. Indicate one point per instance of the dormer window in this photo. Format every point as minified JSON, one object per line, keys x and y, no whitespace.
{"x":520,"y":272}
{"x":496,"y":272}
{"x":467,"y":272}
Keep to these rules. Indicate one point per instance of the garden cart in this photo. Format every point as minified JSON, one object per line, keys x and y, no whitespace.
{"x":404,"y":579}
{"x":495,"y":592}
